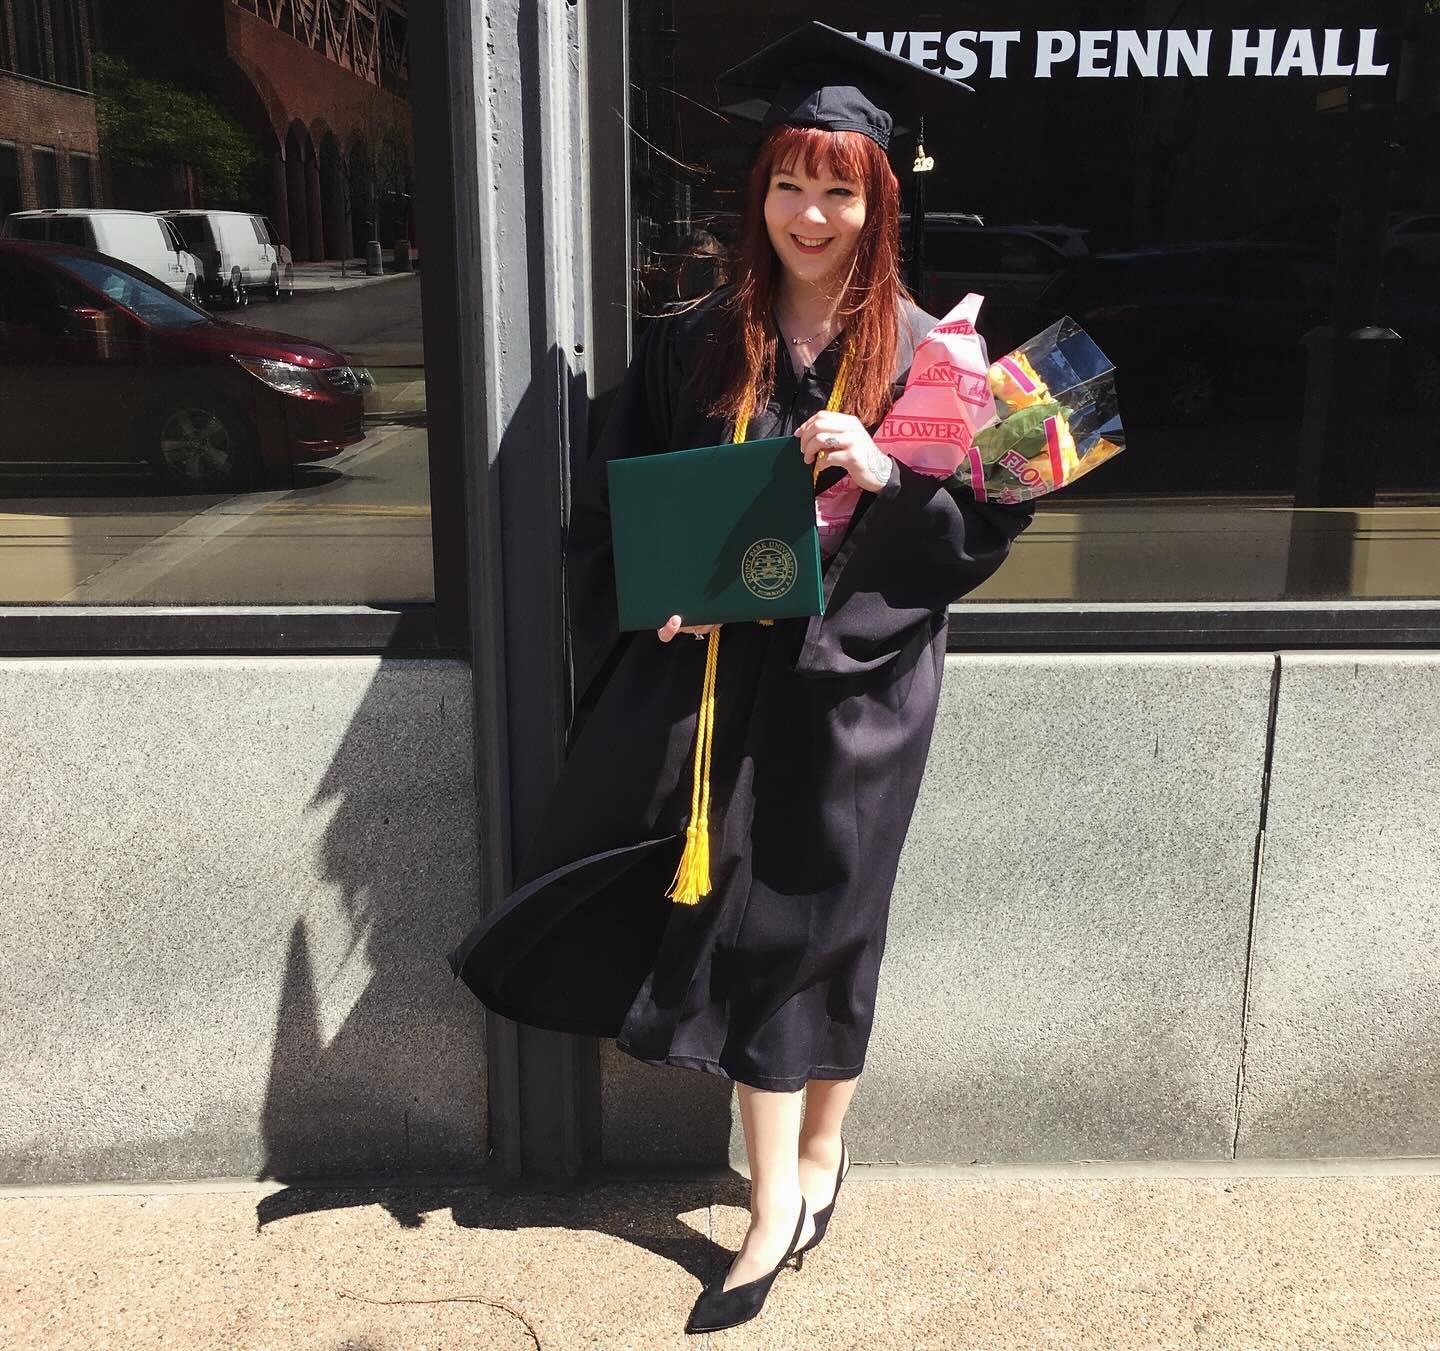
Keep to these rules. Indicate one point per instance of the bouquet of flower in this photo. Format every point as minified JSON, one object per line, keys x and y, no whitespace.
{"x":1032,"y":422}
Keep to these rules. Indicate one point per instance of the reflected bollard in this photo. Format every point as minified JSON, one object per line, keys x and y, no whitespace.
{"x":401,"y":256}
{"x":374,"y":259}
{"x":1340,"y":450}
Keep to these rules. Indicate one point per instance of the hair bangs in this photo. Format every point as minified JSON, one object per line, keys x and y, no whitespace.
{"x":840,"y":154}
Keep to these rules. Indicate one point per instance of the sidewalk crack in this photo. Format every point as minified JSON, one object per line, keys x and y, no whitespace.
{"x":452,"y":1299}
{"x":710,"y":1234}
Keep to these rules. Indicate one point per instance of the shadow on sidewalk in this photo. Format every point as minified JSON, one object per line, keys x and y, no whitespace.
{"x":649,"y":1215}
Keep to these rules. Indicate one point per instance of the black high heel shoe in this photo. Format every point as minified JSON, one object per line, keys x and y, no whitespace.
{"x":822,"y":1216}
{"x":718,"y":1308}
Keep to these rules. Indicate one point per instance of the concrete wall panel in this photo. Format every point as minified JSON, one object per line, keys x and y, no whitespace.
{"x":1343,"y":1037}
{"x":1065,"y":965}
{"x":1066,"y":958}
{"x":228,"y":886}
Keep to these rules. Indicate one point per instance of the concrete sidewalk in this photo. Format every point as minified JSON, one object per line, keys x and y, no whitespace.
{"x":1309,"y":1257}
{"x":327,"y":277}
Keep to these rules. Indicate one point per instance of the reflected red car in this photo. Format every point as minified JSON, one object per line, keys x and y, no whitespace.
{"x":103,"y":367}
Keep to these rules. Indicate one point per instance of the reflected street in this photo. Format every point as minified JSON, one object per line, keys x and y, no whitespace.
{"x":359,"y":524}
{"x":352,"y":527}
{"x":374,"y":322}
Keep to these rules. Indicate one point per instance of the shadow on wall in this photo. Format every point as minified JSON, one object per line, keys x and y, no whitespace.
{"x":658,"y":1117}
{"x":378,"y":1063}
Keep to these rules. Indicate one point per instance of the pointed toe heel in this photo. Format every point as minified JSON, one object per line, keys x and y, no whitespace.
{"x":718,"y":1308}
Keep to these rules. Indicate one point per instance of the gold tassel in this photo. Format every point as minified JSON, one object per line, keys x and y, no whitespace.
{"x":692,"y":875}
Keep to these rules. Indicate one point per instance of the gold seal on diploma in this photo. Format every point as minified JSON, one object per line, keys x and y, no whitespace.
{"x":769,"y":568}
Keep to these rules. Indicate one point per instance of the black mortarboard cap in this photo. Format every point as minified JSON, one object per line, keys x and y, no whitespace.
{"x":818,"y":76}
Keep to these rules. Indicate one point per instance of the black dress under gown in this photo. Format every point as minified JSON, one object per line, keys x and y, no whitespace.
{"x":822,"y":727}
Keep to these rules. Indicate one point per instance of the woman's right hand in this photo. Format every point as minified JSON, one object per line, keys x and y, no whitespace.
{"x":673,"y":626}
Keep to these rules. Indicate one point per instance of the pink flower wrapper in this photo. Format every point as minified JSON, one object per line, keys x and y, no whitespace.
{"x":931,"y":427}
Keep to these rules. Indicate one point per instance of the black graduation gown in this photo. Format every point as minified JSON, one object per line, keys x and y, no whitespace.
{"x":822,"y":727}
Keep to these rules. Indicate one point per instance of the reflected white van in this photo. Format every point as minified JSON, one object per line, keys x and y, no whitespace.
{"x":139,"y":238}
{"x":241,"y":252}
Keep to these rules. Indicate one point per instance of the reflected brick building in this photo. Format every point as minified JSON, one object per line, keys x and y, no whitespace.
{"x":320,"y":86}
{"x":49,"y":144}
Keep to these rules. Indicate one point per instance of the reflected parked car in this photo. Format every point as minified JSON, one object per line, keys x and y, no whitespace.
{"x":1412,"y":239}
{"x":1009,"y":265}
{"x":102,"y":367}
{"x":1069,"y":239}
{"x":239,"y":252}
{"x":136,"y":237}
{"x":1197,"y":330}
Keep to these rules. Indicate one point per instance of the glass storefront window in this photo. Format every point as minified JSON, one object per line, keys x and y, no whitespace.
{"x":212,"y":369}
{"x":1243,"y":212}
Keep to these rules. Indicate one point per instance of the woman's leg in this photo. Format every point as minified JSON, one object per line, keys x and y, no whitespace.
{"x":772,"y":1131}
{"x":826,"y":1102}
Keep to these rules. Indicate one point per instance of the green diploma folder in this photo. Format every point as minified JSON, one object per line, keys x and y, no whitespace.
{"x":716,"y":535}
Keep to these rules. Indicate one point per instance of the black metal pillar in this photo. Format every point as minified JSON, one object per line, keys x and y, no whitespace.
{"x":501,"y":118}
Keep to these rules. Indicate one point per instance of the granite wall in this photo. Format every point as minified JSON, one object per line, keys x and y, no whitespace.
{"x":228,"y":886}
{"x":1342,"y":1042}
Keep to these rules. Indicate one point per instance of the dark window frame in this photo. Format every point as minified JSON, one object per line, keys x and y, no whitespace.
{"x":1198,"y":626}
{"x":28,"y":37}
{"x":51,"y":155}
{"x":68,"y":51}
{"x":63,"y":60}
{"x":217,"y":630}
{"x":75,"y":159}
{"x":12,"y":149}
{"x":440,"y":629}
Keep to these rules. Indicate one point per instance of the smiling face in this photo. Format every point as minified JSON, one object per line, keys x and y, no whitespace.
{"x":814,"y":223}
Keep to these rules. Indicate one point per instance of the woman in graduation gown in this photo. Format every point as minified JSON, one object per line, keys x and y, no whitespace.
{"x":821,"y":725}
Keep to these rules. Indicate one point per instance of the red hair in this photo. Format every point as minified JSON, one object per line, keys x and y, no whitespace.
{"x":746,"y":349}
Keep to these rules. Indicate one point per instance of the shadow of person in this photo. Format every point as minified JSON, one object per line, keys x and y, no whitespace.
{"x":376,"y":1089}
{"x":667,"y":1219}
{"x":377,"y":1065}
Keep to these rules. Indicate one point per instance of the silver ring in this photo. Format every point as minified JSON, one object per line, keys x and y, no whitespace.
{"x":829,"y":439}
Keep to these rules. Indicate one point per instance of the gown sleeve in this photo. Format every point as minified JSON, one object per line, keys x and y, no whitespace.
{"x":919,"y":544}
{"x":639,"y":423}
{"x":914,"y":546}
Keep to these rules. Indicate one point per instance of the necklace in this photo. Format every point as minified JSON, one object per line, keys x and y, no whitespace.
{"x":797,"y":342}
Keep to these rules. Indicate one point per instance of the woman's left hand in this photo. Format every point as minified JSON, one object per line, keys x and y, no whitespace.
{"x":845,"y":443}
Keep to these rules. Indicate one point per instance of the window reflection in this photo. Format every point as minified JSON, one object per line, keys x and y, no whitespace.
{"x":212,"y":375}
{"x":1243,"y":247}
